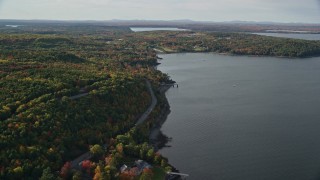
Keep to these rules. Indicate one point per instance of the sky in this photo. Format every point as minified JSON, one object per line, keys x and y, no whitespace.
{"x":305,"y":11}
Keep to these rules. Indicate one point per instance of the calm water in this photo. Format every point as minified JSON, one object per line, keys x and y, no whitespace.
{"x":293,"y":36}
{"x":141,"y":29}
{"x":13,"y":26}
{"x":243,"y":118}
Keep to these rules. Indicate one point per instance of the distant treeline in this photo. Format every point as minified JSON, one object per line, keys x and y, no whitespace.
{"x":231,"y":43}
{"x":42,"y":66}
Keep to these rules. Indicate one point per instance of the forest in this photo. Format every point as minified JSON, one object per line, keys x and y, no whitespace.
{"x":228,"y":43}
{"x":44,"y":66}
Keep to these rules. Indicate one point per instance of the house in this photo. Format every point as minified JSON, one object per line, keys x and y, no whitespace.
{"x":129,"y":171}
{"x":123,"y":168}
{"x":135,"y":171}
{"x":141,"y":165}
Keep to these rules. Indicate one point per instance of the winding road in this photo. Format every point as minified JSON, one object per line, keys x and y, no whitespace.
{"x":78,"y":96}
{"x":153,"y":104}
{"x":75,"y":164}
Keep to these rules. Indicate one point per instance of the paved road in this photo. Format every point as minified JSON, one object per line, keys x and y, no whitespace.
{"x":78,"y":96}
{"x":75,"y":163}
{"x":153,"y":104}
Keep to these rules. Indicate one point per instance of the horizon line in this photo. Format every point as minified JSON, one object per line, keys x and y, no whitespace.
{"x":162,"y":20}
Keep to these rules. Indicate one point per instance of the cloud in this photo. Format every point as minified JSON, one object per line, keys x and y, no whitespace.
{"x":215,"y":10}
{"x":1,"y":2}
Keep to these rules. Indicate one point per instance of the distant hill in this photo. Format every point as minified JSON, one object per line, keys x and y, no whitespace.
{"x":228,"y":26}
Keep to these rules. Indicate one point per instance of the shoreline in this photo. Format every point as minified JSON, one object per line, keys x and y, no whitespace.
{"x":156,"y":138}
{"x":231,"y":54}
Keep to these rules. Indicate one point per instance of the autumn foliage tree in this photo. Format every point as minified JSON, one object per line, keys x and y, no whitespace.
{"x":147,"y":174}
{"x":86,"y":165}
{"x":65,"y":171}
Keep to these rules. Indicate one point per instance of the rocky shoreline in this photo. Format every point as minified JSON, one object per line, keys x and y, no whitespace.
{"x":156,"y":137}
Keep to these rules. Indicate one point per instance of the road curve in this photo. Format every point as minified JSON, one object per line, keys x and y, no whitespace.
{"x":75,"y":164}
{"x":153,"y":104}
{"x":78,"y":96}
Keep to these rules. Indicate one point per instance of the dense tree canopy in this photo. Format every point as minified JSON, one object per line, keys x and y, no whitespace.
{"x":43,"y":70}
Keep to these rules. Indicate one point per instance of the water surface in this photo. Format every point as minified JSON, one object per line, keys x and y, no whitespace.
{"x":142,"y":29}
{"x":13,"y":26}
{"x":237,"y":117}
{"x":293,"y":35}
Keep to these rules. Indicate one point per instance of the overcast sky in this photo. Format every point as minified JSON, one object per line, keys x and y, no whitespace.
{"x":307,"y":11}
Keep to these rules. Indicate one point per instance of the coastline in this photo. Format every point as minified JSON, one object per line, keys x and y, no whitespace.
{"x":156,"y":138}
{"x":247,"y":55}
